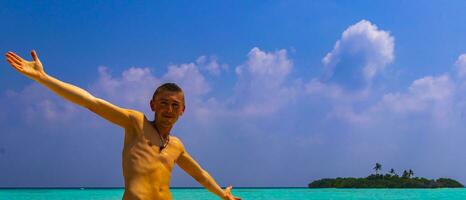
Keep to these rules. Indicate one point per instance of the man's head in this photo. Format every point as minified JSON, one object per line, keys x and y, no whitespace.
{"x":168,"y":103}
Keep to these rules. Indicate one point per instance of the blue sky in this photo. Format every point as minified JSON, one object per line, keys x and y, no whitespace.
{"x":279,"y":93}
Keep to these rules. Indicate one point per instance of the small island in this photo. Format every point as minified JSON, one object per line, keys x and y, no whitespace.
{"x":388,"y":180}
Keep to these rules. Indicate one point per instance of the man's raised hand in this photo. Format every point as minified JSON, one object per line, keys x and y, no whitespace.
{"x":32,"y":69}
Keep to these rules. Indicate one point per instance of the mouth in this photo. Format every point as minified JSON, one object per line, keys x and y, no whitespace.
{"x":167,"y":116}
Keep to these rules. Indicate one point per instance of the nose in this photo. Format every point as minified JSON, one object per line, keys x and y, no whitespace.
{"x":170,"y":109}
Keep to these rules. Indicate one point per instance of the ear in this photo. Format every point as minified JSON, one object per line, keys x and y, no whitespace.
{"x":184,"y":107}
{"x":152,"y":105}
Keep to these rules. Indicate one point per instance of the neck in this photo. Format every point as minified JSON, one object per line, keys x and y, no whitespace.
{"x":164,"y":131}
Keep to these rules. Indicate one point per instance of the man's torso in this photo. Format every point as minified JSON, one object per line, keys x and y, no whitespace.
{"x":146,"y":169}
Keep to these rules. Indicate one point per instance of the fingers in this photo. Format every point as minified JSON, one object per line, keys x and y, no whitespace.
{"x":15,"y":66}
{"x":15,"y":56}
{"x":34,"y":55}
{"x":228,"y":189}
{"x":12,"y":61}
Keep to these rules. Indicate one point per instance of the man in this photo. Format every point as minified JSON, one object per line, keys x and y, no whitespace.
{"x":149,"y":152}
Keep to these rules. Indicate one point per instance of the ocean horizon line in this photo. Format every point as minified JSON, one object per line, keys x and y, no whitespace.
{"x":201,"y":188}
{"x":78,"y":188}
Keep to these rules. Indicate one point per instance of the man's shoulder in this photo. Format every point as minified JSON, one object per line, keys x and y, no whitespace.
{"x":135,"y":114}
{"x":137,"y":117}
{"x":176,"y":141}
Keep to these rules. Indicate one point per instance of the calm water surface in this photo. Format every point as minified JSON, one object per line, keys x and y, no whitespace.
{"x":245,"y":193}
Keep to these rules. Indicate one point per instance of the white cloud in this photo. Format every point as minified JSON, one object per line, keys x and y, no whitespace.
{"x":460,"y":65}
{"x":362,"y":52}
{"x":268,"y":69}
{"x":262,"y":87}
{"x":133,"y":89}
{"x":359,"y":55}
{"x":189,"y":78}
{"x":35,"y":104}
{"x":341,"y":102}
{"x":333,"y":91}
{"x":211,"y":65}
{"x":429,"y":94}
{"x":347,"y":113}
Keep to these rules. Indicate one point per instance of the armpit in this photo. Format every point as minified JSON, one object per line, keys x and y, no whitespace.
{"x":137,"y":120}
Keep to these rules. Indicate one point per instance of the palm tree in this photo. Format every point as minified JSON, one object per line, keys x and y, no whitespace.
{"x":410,"y":173}
{"x":392,"y":172}
{"x":405,"y":174}
{"x":377,"y":167}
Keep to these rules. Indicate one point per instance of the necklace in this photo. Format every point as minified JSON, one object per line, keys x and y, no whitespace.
{"x":164,"y":143}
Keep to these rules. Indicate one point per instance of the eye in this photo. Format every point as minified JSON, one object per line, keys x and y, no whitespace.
{"x":164,"y":103}
{"x":175,"y":105}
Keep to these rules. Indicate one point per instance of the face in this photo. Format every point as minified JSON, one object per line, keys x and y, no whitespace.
{"x":168,"y":107}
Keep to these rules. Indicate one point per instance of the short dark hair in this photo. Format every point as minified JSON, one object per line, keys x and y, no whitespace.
{"x":172,"y":87}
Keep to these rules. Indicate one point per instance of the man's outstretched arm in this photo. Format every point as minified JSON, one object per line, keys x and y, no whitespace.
{"x":34,"y":70}
{"x":190,"y":166}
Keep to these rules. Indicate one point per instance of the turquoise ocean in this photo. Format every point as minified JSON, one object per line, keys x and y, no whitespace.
{"x":244,"y":193}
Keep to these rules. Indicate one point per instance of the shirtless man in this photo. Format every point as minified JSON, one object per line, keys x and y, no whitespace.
{"x":149,"y":152}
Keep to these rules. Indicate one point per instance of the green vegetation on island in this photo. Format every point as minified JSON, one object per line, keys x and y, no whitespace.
{"x":388,"y":180}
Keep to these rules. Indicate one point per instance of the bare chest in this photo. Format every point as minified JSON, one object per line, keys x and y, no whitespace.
{"x":142,"y":155}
